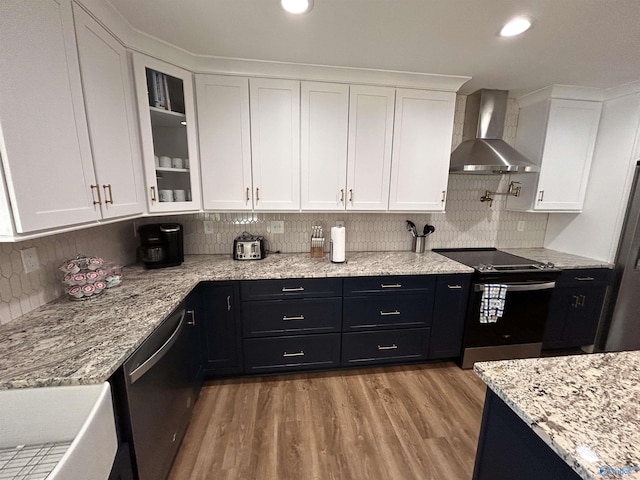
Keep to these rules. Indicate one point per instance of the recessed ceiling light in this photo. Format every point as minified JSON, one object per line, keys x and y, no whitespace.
{"x":515,"y":26}
{"x":297,"y":6}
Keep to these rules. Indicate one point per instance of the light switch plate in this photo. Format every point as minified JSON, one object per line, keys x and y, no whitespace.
{"x":30,"y":260}
{"x":277,"y":226}
{"x":208,"y":226}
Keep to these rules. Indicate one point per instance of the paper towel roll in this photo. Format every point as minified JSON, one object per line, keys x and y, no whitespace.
{"x":338,"y":244}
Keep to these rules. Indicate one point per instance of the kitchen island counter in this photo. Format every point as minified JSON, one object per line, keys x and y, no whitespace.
{"x":66,"y":342}
{"x":586,"y":408}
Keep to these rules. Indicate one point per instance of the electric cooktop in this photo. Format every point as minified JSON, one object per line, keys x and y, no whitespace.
{"x":493,"y":260}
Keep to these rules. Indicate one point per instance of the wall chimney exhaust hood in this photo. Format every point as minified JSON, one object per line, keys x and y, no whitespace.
{"x":482,"y":150}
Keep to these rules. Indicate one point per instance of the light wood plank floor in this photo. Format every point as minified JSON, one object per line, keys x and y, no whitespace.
{"x":399,"y":423}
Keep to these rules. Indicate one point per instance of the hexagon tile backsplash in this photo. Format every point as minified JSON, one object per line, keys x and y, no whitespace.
{"x":466,"y":223}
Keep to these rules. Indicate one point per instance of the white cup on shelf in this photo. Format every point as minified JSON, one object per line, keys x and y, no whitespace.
{"x":179,"y":195}
{"x":177,"y":162}
{"x":165,"y":162}
{"x":166,"y":195}
{"x":156,"y":159}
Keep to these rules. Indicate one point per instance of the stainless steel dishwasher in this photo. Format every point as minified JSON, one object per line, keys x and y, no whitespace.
{"x":159,"y":381}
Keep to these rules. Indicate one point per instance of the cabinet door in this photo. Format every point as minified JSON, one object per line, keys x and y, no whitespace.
{"x":275,"y":143}
{"x":369,"y":152}
{"x":45,"y":144}
{"x":168,"y":131}
{"x":421,"y":149}
{"x":222,"y":331}
{"x":449,"y":314}
{"x":583,"y":315}
{"x":225,"y":142}
{"x":324,"y":130}
{"x":113,"y":130}
{"x":568,"y":149}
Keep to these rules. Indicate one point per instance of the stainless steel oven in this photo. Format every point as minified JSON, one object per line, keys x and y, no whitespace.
{"x":517,"y":332}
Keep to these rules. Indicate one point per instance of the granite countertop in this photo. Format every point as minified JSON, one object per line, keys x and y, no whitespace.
{"x":66,"y":342}
{"x":559,"y":259}
{"x":585,"y":407}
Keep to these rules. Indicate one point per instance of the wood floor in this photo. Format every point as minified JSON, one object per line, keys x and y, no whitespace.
{"x":412,"y":422}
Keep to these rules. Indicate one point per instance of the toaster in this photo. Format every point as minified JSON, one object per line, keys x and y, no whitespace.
{"x":249,"y":247}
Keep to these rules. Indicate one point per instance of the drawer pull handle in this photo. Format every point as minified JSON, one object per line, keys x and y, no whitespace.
{"x":388,"y":347}
{"x":455,"y":287}
{"x":296,"y":354}
{"x":298,"y":317}
{"x":390,"y":285}
{"x":296,"y":289}
{"x":584,"y":279}
{"x":384,"y":314}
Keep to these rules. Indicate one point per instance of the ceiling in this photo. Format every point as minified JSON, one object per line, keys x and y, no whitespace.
{"x":592,"y":43}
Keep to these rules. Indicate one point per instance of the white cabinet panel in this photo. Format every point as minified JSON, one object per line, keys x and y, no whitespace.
{"x":45,"y":144}
{"x":168,"y":129}
{"x":275,"y":143}
{"x":369,"y":151}
{"x":225,"y":142}
{"x":421,"y":149}
{"x":559,"y":135}
{"x":324,"y":131}
{"x":113,"y":129}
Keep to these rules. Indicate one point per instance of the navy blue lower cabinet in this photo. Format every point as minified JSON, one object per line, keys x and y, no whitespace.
{"x":385,"y":346}
{"x":291,"y":353}
{"x":508,"y":449}
{"x":449,"y":313}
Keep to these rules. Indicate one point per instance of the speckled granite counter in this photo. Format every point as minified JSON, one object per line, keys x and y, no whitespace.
{"x":67,"y":342}
{"x":559,"y":259}
{"x":585,"y":407}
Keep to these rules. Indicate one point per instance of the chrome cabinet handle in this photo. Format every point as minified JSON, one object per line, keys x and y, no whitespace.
{"x":297,"y":317}
{"x":228,"y":303}
{"x":192,"y":314}
{"x":153,"y":194}
{"x":388,"y":347}
{"x":108,"y":188}
{"x":351,"y":195}
{"x":444,"y":195}
{"x":296,"y":289}
{"x":540,"y":195}
{"x":581,"y":299}
{"x":295,"y":354}
{"x":390,"y":285}
{"x":454,"y":287}
{"x":97,"y":188}
{"x":247,"y":199}
{"x":584,"y":279}
{"x":575,"y":301}
{"x":342,"y":195}
{"x":384,"y":314}
{"x":257,"y":195}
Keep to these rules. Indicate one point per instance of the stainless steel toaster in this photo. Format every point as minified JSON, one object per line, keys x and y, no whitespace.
{"x":249,"y":247}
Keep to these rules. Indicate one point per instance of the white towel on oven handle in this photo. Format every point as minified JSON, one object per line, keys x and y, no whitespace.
{"x":492,"y":302}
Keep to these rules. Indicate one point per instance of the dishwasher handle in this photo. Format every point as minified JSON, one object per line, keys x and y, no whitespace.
{"x":520,"y":286}
{"x":148,"y":364}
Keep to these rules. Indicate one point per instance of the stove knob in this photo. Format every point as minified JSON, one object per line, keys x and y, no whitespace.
{"x":482,"y":268}
{"x":549,"y":265}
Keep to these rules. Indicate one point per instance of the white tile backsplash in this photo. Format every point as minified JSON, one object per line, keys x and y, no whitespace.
{"x":466,"y":223}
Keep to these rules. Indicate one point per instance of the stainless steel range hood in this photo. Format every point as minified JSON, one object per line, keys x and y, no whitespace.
{"x":482,"y":150}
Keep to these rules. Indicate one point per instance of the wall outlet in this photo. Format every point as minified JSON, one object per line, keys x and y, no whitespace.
{"x":208,"y":227}
{"x":30,"y":260}
{"x":277,"y":226}
{"x":339,"y":223}
{"x":521,"y":225}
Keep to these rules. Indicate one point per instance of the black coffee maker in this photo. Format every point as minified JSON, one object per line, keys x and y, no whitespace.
{"x":161,"y":244}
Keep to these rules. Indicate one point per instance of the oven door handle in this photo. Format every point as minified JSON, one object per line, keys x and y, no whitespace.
{"x":520,"y":286}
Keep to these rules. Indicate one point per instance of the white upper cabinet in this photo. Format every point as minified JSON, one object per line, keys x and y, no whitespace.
{"x":225,"y":142}
{"x":168,"y":132}
{"x":559,"y":135}
{"x":44,"y":142}
{"x":369,"y":151}
{"x":323,"y":136}
{"x":422,"y":136}
{"x":275,"y":143}
{"x":113,"y":129}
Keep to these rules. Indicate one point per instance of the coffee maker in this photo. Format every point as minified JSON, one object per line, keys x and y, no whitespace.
{"x":161,"y":244}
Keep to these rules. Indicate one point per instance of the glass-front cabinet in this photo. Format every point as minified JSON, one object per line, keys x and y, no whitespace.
{"x":167,"y":121}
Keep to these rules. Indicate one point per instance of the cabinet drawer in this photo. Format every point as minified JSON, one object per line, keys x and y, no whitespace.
{"x":299,"y":352}
{"x":584,"y":277}
{"x":301,"y":315}
{"x":385,"y":347}
{"x":296,"y":288}
{"x":388,"y":285}
{"x":395,"y":311}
